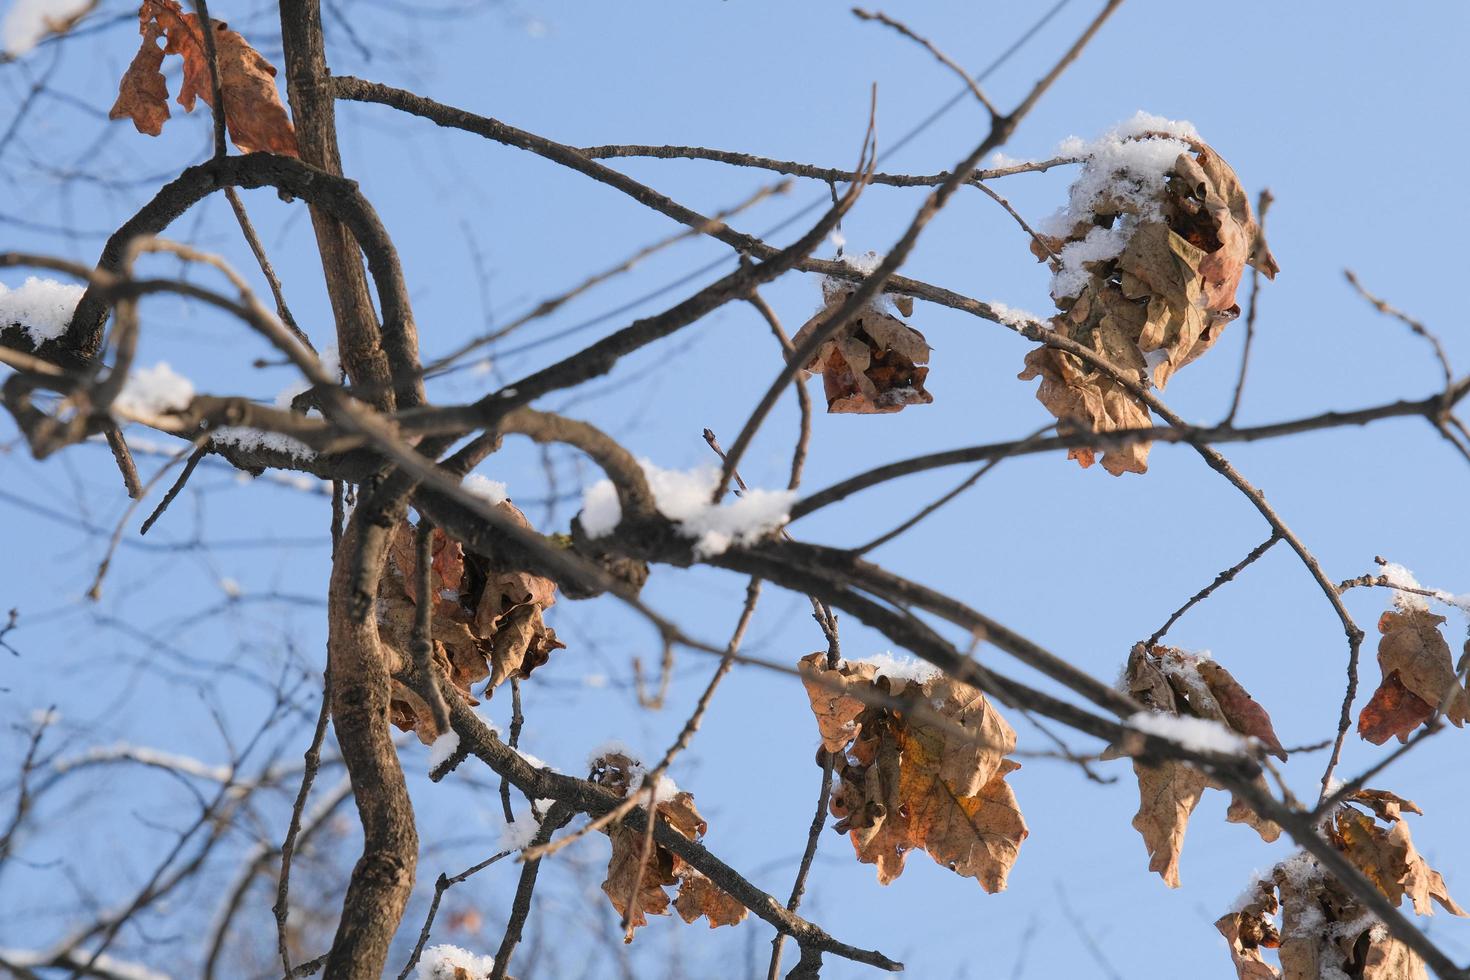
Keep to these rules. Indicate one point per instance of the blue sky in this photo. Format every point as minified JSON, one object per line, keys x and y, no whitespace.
{"x":1353,"y":119}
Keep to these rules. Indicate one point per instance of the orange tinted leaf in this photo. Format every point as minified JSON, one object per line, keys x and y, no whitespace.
{"x":931,"y":779}
{"x":142,"y":95}
{"x":1392,"y":711}
{"x":874,"y":363}
{"x":700,"y":896}
{"x":1242,"y":712}
{"x":254,"y":115}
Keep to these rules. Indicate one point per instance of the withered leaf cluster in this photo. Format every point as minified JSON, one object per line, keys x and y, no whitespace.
{"x":1324,"y":930}
{"x":934,"y":780}
{"x":486,"y":621}
{"x":1173,"y":682}
{"x":874,"y":363}
{"x":1418,"y":675}
{"x":695,"y":895}
{"x":254,"y":115}
{"x":1155,"y":307}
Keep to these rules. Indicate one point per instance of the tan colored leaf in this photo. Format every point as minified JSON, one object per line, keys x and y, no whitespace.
{"x":142,"y":95}
{"x":1388,"y":856}
{"x":697,"y":895}
{"x":1158,"y":305}
{"x":932,"y":780}
{"x":874,"y":363}
{"x":486,"y":622}
{"x":1167,"y":795}
{"x":976,"y":836}
{"x":623,"y":868}
{"x":254,"y":115}
{"x":700,"y":896}
{"x":1250,"y":929}
{"x":1175,"y":682}
{"x":1417,"y":676}
{"x":836,"y":710}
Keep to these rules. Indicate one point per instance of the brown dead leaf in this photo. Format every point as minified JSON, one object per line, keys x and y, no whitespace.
{"x":1174,"y":682}
{"x":1417,"y":676}
{"x":908,"y":780}
{"x":696,"y":895}
{"x":837,"y":711}
{"x":1387,"y":856}
{"x":874,"y":363}
{"x":1324,"y":930}
{"x":1242,"y":712}
{"x":486,"y":621}
{"x":1250,"y":929}
{"x":1160,"y":304}
{"x":254,"y":115}
{"x":700,"y":896}
{"x":142,"y":95}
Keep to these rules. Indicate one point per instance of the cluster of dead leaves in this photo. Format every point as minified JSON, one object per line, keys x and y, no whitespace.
{"x":645,"y":882}
{"x":874,"y":363}
{"x":1157,"y":306}
{"x":486,"y":621}
{"x":1418,"y":676}
{"x":934,"y":780}
{"x":1323,"y":928}
{"x":252,"y":106}
{"x":1173,"y":682}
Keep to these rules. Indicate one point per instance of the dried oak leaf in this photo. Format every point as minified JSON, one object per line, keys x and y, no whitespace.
{"x":1325,"y":931}
{"x":696,"y":896}
{"x":142,"y":95}
{"x":1173,"y":682}
{"x":1417,"y":676}
{"x":836,"y":710}
{"x":874,"y":363}
{"x":1161,"y":302}
{"x":254,"y":115}
{"x":1251,"y":928}
{"x":486,"y":621}
{"x":1387,"y":856}
{"x":908,"y":779}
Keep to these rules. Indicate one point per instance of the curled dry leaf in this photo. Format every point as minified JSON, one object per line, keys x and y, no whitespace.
{"x":1417,"y":676}
{"x":910,"y":780}
{"x":697,"y":895}
{"x":1250,"y":929}
{"x":1173,"y":682}
{"x":1324,"y":930}
{"x":1152,"y":306}
{"x":874,"y":363}
{"x":254,"y":115}
{"x":486,"y":621}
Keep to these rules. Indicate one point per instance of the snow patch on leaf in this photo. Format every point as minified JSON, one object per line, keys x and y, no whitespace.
{"x":1199,"y":734}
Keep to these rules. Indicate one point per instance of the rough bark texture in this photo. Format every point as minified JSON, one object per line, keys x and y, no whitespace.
{"x":308,"y":87}
{"x":384,"y":875}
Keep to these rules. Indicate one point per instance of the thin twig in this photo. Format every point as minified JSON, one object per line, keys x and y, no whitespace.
{"x":1263,"y":204}
{"x":939,"y":55}
{"x":174,"y":490}
{"x":556,"y":818}
{"x":124,"y":457}
{"x":1225,"y":576}
{"x":442,"y":885}
{"x":964,"y":485}
{"x":1415,"y":326}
